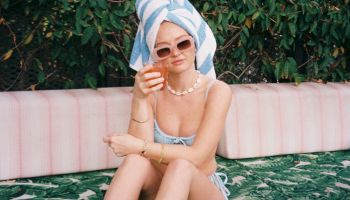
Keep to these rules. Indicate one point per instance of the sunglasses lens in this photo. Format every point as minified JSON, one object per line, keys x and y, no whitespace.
{"x":184,"y":45}
{"x":163,"y":52}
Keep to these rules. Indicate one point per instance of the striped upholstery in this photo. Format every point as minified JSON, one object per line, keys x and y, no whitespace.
{"x":60,"y":131}
{"x":272,"y":119}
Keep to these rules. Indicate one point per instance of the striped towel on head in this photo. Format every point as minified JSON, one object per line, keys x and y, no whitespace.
{"x":181,"y":12}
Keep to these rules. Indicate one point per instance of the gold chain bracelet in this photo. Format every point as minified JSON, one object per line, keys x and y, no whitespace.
{"x":138,"y":121}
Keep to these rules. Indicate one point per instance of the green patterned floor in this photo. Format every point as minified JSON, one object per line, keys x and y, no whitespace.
{"x":299,"y":176}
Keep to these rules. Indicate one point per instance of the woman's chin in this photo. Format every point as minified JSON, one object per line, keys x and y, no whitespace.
{"x":179,"y":67}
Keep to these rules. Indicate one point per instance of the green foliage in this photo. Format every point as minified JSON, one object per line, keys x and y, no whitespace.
{"x":75,"y":41}
{"x":80,"y":43}
{"x":280,"y":41}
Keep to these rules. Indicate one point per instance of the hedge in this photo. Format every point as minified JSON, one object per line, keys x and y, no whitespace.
{"x":86,"y":43}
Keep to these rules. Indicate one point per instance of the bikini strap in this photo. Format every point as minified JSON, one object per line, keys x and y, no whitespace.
{"x":210,"y":84}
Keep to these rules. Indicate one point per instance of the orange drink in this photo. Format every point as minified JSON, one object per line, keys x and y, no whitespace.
{"x":162,"y":69}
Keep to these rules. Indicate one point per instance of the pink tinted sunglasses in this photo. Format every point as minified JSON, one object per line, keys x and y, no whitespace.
{"x":164,"y":51}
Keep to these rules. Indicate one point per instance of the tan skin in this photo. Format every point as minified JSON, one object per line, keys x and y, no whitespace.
{"x":184,"y":171}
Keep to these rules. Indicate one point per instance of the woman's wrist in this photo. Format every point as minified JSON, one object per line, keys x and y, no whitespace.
{"x":137,"y":93}
{"x":140,"y":121}
{"x":144,"y":148}
{"x":162,"y":154}
{"x":154,"y":151}
{"x":139,"y":112}
{"x":139,"y":99}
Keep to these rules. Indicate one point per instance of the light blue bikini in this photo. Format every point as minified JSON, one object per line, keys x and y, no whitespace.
{"x":162,"y":137}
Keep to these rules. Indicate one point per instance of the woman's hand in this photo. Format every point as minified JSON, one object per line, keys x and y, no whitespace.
{"x":125,"y":144}
{"x":147,"y":82}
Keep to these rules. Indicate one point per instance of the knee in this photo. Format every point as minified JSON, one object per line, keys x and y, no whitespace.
{"x":135,"y":160}
{"x":180,"y":166}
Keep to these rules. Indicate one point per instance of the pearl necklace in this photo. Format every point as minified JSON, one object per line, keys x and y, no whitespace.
{"x":189,"y":90}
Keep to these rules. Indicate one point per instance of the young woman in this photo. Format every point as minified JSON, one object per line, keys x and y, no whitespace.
{"x":174,"y":129}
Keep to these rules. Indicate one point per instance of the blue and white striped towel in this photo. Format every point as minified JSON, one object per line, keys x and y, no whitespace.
{"x":181,"y":12}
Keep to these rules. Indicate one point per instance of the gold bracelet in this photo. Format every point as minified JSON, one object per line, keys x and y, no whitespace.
{"x":144,"y":148}
{"x":162,"y":154}
{"x":135,"y":120}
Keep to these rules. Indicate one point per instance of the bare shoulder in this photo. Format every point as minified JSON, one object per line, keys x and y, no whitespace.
{"x":219,"y":98}
{"x":218,"y":102}
{"x":220,"y":90}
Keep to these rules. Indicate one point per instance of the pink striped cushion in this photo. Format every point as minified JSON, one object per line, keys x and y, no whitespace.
{"x":59,"y":131}
{"x":273,"y":119}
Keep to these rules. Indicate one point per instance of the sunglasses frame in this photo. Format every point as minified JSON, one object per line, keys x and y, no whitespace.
{"x":171,"y":47}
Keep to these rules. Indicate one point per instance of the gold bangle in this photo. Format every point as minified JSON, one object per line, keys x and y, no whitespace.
{"x":144,"y":148}
{"x":162,"y":154}
{"x":135,"y":120}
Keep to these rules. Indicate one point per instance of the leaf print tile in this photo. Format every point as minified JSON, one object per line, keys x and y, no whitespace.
{"x":297,"y":177}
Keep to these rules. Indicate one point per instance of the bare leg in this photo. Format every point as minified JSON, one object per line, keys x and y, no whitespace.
{"x":182,"y":180}
{"x":134,"y":176}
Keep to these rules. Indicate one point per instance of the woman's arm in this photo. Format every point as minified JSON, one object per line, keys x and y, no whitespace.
{"x":206,"y":141}
{"x":141,"y":119}
{"x":141,"y":116}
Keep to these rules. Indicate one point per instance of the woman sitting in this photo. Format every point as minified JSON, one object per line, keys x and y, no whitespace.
{"x":178,"y":117}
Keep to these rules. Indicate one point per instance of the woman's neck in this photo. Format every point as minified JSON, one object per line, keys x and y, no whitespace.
{"x":184,"y":80}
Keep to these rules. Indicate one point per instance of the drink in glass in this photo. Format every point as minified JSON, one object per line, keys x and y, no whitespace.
{"x":162,"y":69}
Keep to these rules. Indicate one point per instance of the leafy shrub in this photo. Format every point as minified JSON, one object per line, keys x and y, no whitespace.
{"x":72,"y":43}
{"x":87,"y":43}
{"x":280,"y":41}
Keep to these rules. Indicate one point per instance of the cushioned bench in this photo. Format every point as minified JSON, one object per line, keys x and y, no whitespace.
{"x":60,"y":131}
{"x":275,"y":119}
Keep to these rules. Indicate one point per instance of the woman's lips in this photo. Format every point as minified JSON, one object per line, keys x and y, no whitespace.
{"x":177,"y":62}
